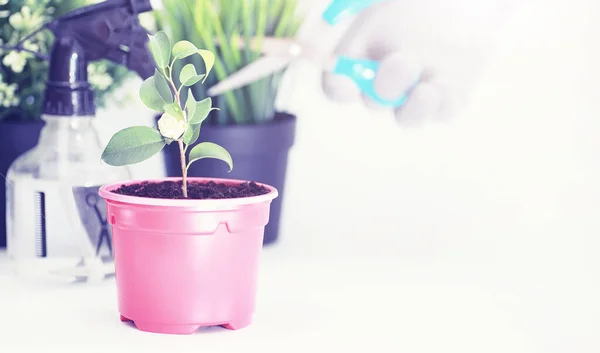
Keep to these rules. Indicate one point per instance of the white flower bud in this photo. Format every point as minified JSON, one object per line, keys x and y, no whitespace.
{"x":15,"y":61}
{"x":101,"y":80}
{"x":16,"y":20}
{"x":171,"y":127}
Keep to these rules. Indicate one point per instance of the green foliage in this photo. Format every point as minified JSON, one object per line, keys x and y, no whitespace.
{"x":191,"y":135}
{"x":133,"y":145}
{"x":183,"y":49}
{"x":174,"y":110}
{"x":201,"y":111}
{"x":210,"y":150}
{"x":214,"y":25}
{"x":179,"y":122}
{"x":188,"y":75}
{"x":190,"y":103}
{"x":23,"y":76}
{"x":162,"y":87}
{"x":160,"y":47}
{"x":155,"y":92}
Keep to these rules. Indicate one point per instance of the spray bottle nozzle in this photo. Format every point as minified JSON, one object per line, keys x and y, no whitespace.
{"x":107,"y":30}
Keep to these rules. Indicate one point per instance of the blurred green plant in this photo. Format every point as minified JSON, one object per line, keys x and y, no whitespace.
{"x":215,"y":25}
{"x":23,"y":75}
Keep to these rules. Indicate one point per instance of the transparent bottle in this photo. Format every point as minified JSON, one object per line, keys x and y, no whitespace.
{"x":56,"y":222}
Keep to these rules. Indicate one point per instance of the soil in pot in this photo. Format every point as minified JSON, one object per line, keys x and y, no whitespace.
{"x":197,"y":191}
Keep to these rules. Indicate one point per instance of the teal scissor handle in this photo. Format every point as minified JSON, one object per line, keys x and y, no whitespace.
{"x":362,"y":72}
{"x":339,"y":9}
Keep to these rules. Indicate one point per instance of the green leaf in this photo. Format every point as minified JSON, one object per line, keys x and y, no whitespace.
{"x":160,"y":47}
{"x":209,"y":61}
{"x":155,"y":92}
{"x":174,"y":110}
{"x":191,"y":134}
{"x":162,"y":87}
{"x":188,"y":75}
{"x":183,"y":49}
{"x":210,"y":150}
{"x":133,"y":145}
{"x":202,"y":110}
{"x":190,"y":104}
{"x":194,"y":80}
{"x":149,"y":95}
{"x":187,"y":72}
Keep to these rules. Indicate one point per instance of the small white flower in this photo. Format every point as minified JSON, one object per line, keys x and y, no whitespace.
{"x":16,"y":20}
{"x":98,"y":76}
{"x":25,"y":19}
{"x":101,"y":81}
{"x":3,"y":2}
{"x":15,"y":60}
{"x":4,"y":13}
{"x":11,"y":89}
{"x":26,"y":10}
{"x":7,"y":95}
{"x":171,"y":127}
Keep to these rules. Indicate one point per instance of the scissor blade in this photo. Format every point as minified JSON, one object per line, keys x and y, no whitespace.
{"x":267,"y":45}
{"x":252,"y":72}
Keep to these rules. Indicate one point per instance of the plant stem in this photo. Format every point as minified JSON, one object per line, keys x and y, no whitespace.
{"x":170,"y":79}
{"x":182,"y":149}
{"x":183,"y":169}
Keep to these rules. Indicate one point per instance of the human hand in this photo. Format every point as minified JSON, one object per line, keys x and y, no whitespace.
{"x":430,"y":50}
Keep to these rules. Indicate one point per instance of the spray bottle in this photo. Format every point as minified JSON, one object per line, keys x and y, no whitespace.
{"x":56,"y":223}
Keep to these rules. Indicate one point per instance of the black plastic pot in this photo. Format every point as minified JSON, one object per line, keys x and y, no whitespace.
{"x":259,"y":152}
{"x":16,"y":138}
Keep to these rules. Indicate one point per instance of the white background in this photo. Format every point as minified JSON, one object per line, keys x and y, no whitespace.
{"x":479,"y":234}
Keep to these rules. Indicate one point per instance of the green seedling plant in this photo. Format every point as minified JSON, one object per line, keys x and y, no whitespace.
{"x":180,"y":121}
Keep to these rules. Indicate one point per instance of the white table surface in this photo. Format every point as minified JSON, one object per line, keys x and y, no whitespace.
{"x":385,"y":296}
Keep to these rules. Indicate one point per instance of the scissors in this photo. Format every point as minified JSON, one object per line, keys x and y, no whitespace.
{"x":281,"y":52}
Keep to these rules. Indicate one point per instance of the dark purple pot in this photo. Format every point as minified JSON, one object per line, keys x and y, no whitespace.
{"x":16,"y":138}
{"x":259,"y":152}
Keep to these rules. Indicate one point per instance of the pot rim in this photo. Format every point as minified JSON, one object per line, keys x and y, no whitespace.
{"x":106,"y":193}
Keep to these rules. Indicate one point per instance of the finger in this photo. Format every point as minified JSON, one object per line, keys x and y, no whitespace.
{"x":340,"y":88}
{"x":424,"y":103}
{"x":397,"y":74}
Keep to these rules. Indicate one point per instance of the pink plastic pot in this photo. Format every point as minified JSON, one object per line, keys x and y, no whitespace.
{"x":184,"y":264}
